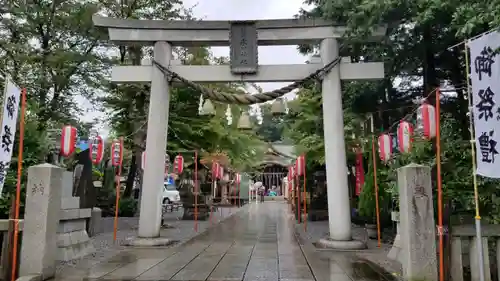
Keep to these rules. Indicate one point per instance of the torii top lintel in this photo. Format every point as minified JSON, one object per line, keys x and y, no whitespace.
{"x":216,"y":33}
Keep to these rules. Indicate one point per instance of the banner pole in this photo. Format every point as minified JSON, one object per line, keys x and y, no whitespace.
{"x":18,"y":185}
{"x":474,"y":175}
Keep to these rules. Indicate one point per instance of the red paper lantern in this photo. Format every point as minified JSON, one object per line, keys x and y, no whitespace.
{"x":426,"y":120}
{"x":300,"y":165}
{"x":178,"y":164}
{"x":68,"y":140}
{"x":385,"y":147}
{"x":116,"y":153}
{"x":405,"y":133}
{"x":96,"y":150}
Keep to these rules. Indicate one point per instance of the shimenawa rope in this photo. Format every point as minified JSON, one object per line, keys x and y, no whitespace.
{"x":247,"y":98}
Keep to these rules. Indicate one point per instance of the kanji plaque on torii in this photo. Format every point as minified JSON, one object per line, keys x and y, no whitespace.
{"x":243,"y":39}
{"x":243,"y":48}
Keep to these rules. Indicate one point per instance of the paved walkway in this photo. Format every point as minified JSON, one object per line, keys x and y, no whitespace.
{"x":258,"y":243}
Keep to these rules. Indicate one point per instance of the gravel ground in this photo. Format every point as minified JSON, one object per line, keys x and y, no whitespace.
{"x":319,"y":229}
{"x":180,"y":230}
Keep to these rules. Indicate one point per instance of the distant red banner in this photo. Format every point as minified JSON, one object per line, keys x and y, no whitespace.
{"x":360,"y":173}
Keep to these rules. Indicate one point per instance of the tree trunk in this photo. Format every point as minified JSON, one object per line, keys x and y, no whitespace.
{"x":431,"y":80}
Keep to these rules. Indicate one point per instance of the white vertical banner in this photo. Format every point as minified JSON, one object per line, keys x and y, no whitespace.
{"x":9,"y":126}
{"x":485,"y":85}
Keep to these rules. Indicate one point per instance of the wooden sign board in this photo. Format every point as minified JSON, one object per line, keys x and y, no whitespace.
{"x":243,"y":47}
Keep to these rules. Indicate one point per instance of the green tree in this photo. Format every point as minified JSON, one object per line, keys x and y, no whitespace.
{"x":52,"y":49}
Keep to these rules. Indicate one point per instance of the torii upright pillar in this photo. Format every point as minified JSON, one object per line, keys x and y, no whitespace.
{"x":339,"y":214}
{"x":156,"y":144}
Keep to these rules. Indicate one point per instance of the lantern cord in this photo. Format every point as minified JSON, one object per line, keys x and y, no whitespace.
{"x":474,"y":175}
{"x":18,"y":185}
{"x":247,"y":98}
{"x":407,"y":115}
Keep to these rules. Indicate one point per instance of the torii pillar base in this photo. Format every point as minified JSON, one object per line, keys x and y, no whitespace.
{"x":149,"y":242}
{"x":341,"y":245}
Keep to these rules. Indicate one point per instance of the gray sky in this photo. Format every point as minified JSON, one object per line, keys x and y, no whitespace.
{"x":250,"y":10}
{"x":246,"y":10}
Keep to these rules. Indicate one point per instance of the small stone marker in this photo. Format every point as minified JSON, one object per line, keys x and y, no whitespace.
{"x":418,"y":229}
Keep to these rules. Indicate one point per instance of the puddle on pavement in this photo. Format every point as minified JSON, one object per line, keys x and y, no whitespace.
{"x":364,"y":271}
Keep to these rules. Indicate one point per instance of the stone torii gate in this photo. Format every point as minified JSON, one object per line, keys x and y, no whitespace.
{"x":243,"y":39}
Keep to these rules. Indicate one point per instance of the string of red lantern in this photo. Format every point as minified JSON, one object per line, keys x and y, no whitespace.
{"x":404,"y":134}
{"x":237,"y":179}
{"x":297,"y":187}
{"x":290,"y":177}
{"x":300,"y":170}
{"x":68,"y":140}
{"x":178,"y":164}
{"x":117,"y":160}
{"x":385,"y":147}
{"x":425,"y":126}
{"x":96,"y":150}
{"x":426,"y":120}
{"x":216,"y":168}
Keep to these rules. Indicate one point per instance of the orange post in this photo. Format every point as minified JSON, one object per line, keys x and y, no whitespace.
{"x":305,"y":197}
{"x":117,"y":202}
{"x":196,"y":190}
{"x":18,"y":185}
{"x":439,"y":186}
{"x":377,"y":210}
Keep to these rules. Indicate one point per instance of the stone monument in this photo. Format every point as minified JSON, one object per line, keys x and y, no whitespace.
{"x":418,"y":229}
{"x":43,"y":205}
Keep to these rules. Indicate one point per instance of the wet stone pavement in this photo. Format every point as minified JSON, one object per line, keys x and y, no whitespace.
{"x":258,"y":243}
